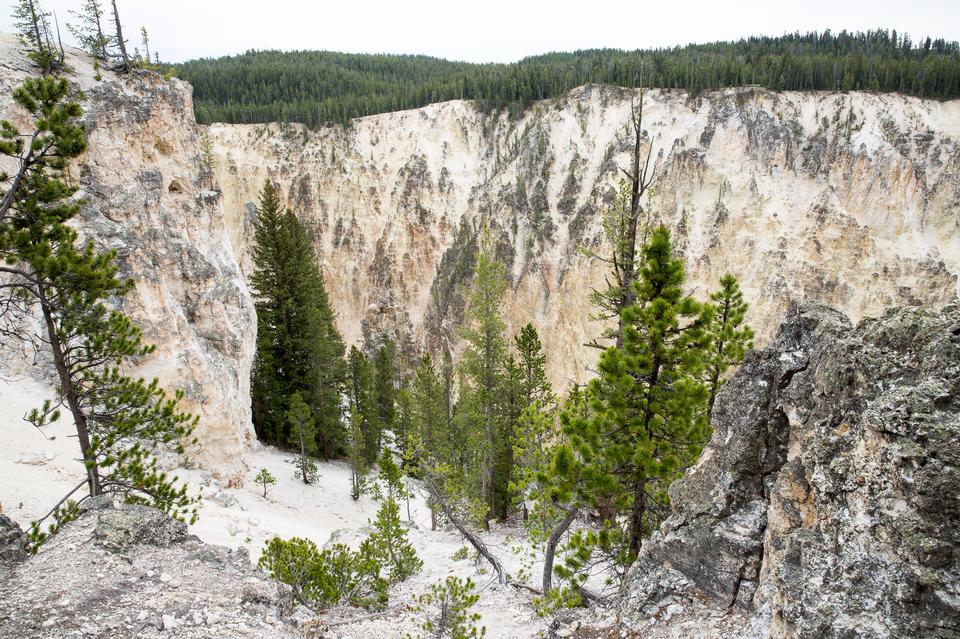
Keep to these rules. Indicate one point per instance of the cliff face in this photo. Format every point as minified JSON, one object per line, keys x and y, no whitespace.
{"x":147,"y":198}
{"x":849,"y":199}
{"x":826,"y":503}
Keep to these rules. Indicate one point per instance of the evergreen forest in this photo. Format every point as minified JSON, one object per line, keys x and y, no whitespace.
{"x":317,"y":87}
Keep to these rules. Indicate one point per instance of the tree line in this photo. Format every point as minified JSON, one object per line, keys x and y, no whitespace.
{"x":96,"y":31}
{"x":317,"y":87}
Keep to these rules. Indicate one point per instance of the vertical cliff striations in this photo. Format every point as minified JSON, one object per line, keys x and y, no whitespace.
{"x":848,"y":199}
{"x":148,"y":199}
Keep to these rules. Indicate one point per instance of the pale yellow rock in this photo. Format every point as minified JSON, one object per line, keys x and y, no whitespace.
{"x":148,"y":199}
{"x":849,"y":199}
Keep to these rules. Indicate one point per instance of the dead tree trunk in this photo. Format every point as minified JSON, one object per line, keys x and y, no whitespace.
{"x":625,"y":266}
{"x":475,"y":541}
{"x":121,"y":43}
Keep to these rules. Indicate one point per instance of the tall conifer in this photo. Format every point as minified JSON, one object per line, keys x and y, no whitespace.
{"x":483,"y":360}
{"x":649,"y":397}
{"x":299,"y":349}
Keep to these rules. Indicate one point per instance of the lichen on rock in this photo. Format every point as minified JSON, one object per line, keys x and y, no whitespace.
{"x":827,"y":503}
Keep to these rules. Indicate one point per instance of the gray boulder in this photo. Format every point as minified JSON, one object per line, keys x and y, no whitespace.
{"x":131,"y":572}
{"x":827,"y":503}
{"x":13,"y":541}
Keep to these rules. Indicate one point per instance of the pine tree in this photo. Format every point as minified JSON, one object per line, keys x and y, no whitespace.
{"x":731,"y":338}
{"x":403,"y":426}
{"x":329,"y":369}
{"x":511,"y":402}
{"x":431,"y":436}
{"x":535,"y":422}
{"x":389,"y":539}
{"x":429,"y":413}
{"x":448,"y":387}
{"x":208,"y":159}
{"x":649,"y":396}
{"x":298,"y":346}
{"x":302,"y":435}
{"x":532,"y":361}
{"x":120,"y":421}
{"x":384,"y":383}
{"x":89,"y":32}
{"x":482,"y":363}
{"x":447,"y":609}
{"x":362,"y":404}
{"x":355,"y":452}
{"x":33,"y":27}
{"x":267,"y":281}
{"x":266,"y":479}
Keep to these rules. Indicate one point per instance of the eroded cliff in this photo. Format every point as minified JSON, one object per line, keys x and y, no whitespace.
{"x":848,"y":199}
{"x":148,"y":198}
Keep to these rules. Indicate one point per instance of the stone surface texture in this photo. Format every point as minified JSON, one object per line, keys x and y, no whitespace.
{"x":148,"y":197}
{"x":124,"y":571}
{"x":827,"y":503}
{"x":849,"y":199}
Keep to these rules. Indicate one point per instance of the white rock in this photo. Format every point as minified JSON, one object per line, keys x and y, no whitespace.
{"x":37,"y":459}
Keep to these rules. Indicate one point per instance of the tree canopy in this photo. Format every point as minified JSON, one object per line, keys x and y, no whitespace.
{"x":316,"y":87}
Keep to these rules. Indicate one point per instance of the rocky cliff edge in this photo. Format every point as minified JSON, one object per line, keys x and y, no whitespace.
{"x":827,"y":503}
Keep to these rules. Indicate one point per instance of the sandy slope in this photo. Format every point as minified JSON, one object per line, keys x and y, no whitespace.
{"x":36,"y":469}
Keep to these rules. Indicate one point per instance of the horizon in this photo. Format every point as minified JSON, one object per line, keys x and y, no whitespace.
{"x":533,"y":29}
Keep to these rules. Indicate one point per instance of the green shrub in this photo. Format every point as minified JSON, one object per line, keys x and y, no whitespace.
{"x":446,"y":609}
{"x":324,"y":578}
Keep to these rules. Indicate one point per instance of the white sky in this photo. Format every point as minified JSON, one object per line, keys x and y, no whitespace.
{"x":495,"y":30}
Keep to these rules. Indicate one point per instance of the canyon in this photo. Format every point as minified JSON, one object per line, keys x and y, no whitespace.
{"x":835,"y":428}
{"x":846,"y":199}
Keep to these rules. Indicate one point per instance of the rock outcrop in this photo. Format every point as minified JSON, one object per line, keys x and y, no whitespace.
{"x":848,"y":199}
{"x":129,"y":571}
{"x":13,"y":541}
{"x":148,"y":197}
{"x":827,"y":503}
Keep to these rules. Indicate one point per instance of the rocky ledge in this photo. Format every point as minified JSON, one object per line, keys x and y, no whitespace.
{"x":827,"y":503}
{"x":127,"y":571}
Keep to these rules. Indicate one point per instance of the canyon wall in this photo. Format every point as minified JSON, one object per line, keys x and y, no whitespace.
{"x":848,"y":199}
{"x":149,"y":199}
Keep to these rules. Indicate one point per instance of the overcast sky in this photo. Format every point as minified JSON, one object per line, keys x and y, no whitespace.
{"x":496,"y":30}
